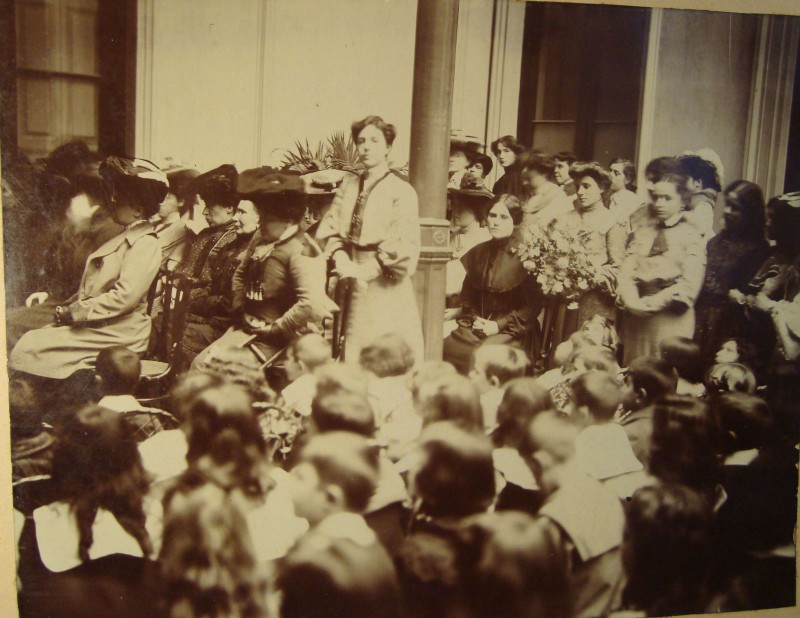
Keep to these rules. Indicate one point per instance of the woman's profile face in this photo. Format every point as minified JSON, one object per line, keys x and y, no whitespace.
{"x":217,"y":214}
{"x":169,"y":206}
{"x":667,"y":201}
{"x":561,"y":172}
{"x":727,"y":353}
{"x":499,"y":222}
{"x":372,"y":146}
{"x":246,"y":217}
{"x":617,"y":176}
{"x":733,"y":213}
{"x":588,"y":192}
{"x":505,"y":155}
{"x":463,"y":215}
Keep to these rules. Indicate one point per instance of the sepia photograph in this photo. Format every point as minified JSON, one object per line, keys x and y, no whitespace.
{"x":399,"y":308}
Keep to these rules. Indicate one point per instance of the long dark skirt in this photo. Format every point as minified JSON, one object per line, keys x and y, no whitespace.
{"x":460,"y":346}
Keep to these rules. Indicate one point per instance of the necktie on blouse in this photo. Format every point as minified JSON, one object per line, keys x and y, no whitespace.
{"x":660,"y":244}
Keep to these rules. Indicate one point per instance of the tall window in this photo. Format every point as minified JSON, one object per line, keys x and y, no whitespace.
{"x":73,"y":61}
{"x":581,"y":79}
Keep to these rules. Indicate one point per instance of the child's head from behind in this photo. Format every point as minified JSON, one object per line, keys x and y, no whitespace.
{"x":96,"y":463}
{"x":454,"y":476}
{"x":730,"y":378}
{"x":685,"y":443}
{"x":426,"y":372}
{"x":207,"y":555}
{"x":335,"y":377}
{"x":343,"y":411}
{"x":305,"y":355}
{"x":592,"y":357}
{"x":549,"y":446}
{"x":520,"y":568}
{"x":672,"y":522}
{"x":685,"y":355}
{"x":337,"y":472}
{"x":647,"y":379}
{"x":745,"y":421}
{"x":187,"y":389}
{"x":494,"y":365}
{"x":451,"y":398}
{"x":389,"y":355}
{"x":118,"y":370}
{"x":595,"y":395}
{"x":225,"y":439}
{"x":522,"y":400}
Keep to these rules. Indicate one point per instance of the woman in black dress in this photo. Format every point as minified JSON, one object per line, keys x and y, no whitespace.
{"x":734,"y":257}
{"x":508,"y":150}
{"x":499,"y":299}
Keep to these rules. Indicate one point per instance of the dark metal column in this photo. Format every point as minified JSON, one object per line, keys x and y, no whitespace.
{"x":434,"y":68}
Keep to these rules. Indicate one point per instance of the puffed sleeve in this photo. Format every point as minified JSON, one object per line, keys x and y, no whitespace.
{"x":307,"y":275}
{"x":627,"y":290}
{"x":399,"y":253}
{"x":139,"y":267}
{"x":329,"y":232}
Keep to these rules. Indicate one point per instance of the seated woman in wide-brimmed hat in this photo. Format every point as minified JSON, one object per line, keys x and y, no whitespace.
{"x":279,"y":286}
{"x":110,"y":306}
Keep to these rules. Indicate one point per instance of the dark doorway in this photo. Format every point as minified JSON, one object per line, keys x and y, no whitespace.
{"x":581,"y":79}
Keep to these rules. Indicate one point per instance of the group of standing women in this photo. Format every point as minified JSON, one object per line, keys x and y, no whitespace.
{"x":661,"y":275}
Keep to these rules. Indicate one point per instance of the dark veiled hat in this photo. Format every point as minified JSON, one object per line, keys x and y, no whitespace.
{"x":217,"y":185}
{"x":266,"y":182}
{"x":273,"y":192}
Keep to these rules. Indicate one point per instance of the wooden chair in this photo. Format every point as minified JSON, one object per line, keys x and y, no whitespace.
{"x":158,"y":375}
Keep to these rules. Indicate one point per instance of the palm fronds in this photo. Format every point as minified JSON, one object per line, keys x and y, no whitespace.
{"x":339,"y":153}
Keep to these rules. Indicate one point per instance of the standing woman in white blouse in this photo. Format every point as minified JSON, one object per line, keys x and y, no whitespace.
{"x":373,"y":238}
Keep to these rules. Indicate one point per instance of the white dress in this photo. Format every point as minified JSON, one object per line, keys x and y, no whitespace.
{"x":384,"y":243}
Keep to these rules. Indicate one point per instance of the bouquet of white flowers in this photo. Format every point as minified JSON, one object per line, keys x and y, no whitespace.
{"x":559,"y":260}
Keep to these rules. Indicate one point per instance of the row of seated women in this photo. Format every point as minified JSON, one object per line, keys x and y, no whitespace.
{"x":663,"y":271}
{"x":258,"y":274}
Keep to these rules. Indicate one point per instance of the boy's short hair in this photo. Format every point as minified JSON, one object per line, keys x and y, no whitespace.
{"x":654,"y":376}
{"x":451,"y":398}
{"x":426,"y":372}
{"x":312,"y":350}
{"x":388,"y":355}
{"x":336,"y":377}
{"x":745,"y":421}
{"x":343,"y":411}
{"x":456,"y":477}
{"x":685,"y":355}
{"x":599,"y":392}
{"x":346,"y":460}
{"x":501,"y":361}
{"x":119,"y":368}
